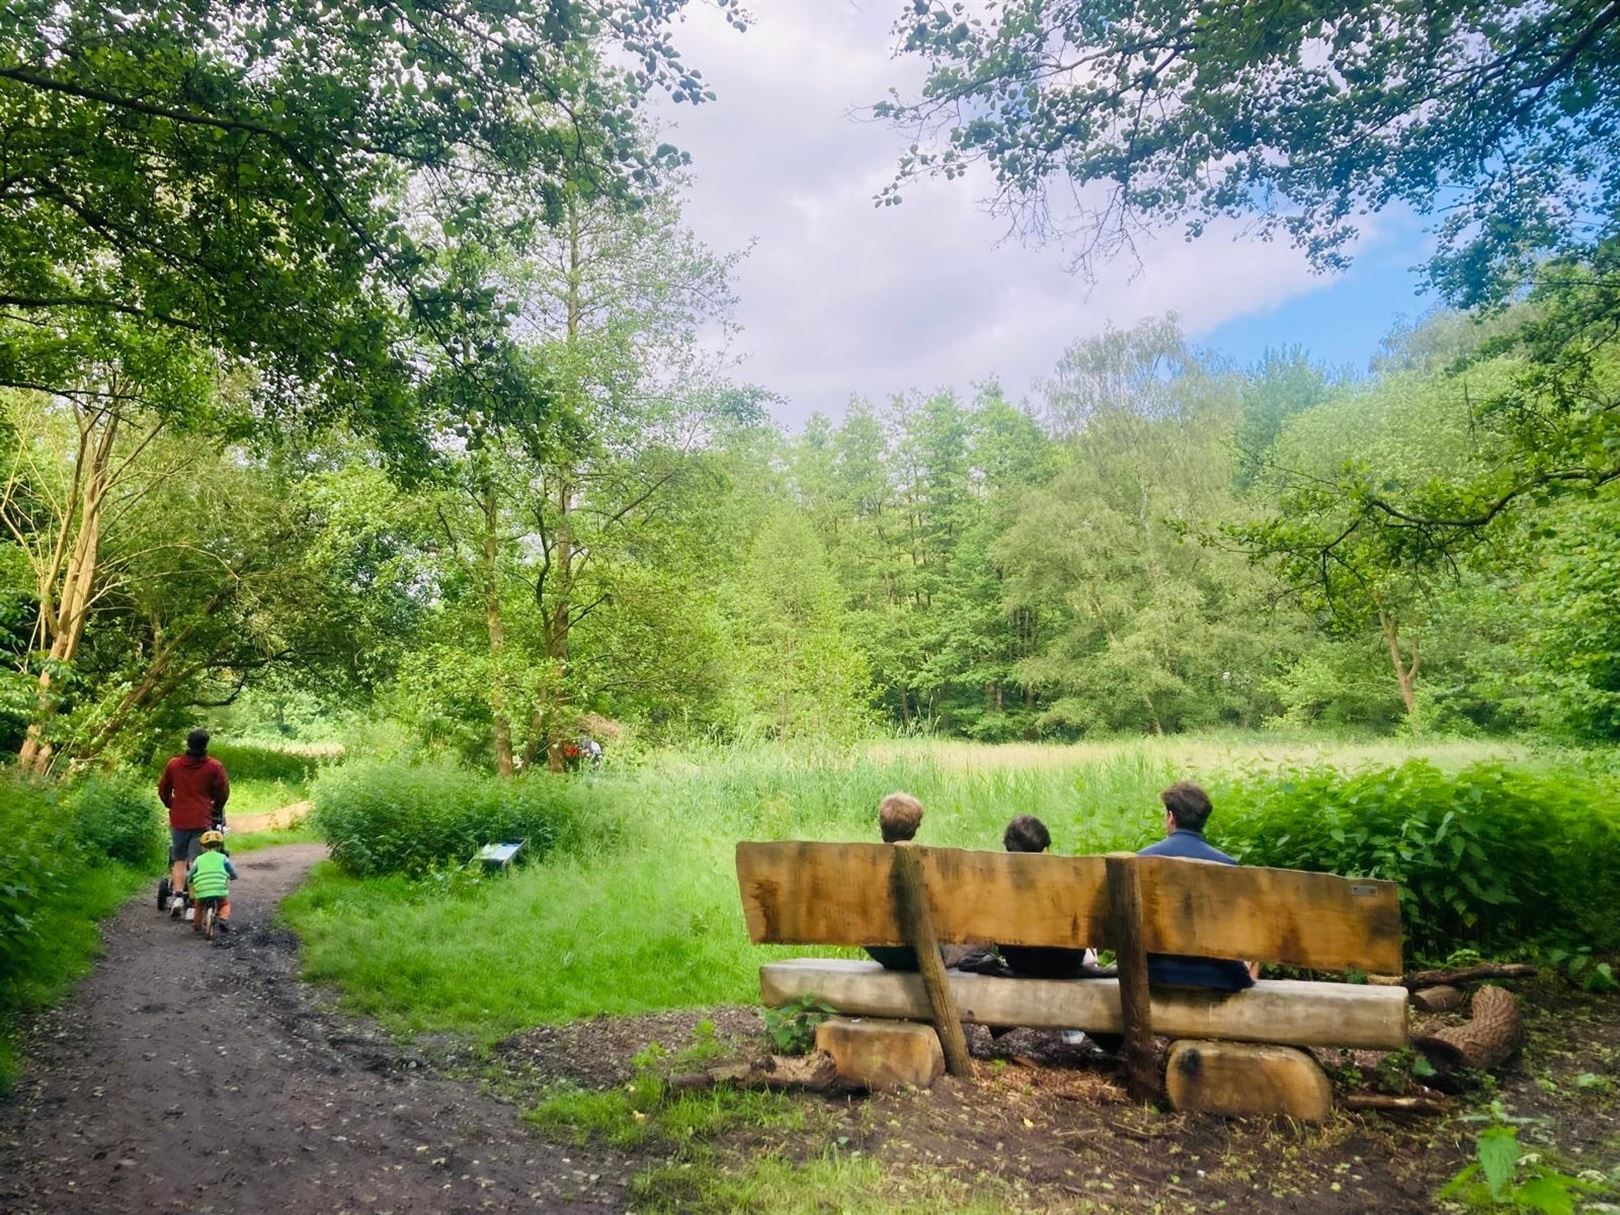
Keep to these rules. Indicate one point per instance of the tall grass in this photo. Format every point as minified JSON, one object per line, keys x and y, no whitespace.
{"x":653,"y":920}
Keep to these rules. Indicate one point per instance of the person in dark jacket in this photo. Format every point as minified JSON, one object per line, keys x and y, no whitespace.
{"x":1186,"y":810}
{"x":1026,"y":833}
{"x":195,"y":788}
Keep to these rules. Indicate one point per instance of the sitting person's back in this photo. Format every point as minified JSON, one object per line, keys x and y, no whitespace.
{"x":1026,"y":833}
{"x":899,"y":816}
{"x":1186,"y":810}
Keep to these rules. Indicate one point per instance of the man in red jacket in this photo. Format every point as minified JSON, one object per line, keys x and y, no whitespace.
{"x":195,"y":789}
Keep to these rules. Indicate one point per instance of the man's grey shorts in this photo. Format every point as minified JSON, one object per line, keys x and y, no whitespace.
{"x":185,"y":843}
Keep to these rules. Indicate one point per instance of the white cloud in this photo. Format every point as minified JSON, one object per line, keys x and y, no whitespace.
{"x":840,"y":297}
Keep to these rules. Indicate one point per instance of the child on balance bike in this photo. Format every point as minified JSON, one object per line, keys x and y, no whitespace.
{"x":210,"y":878}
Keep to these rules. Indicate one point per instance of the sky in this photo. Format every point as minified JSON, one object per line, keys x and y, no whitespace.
{"x":841,"y":298}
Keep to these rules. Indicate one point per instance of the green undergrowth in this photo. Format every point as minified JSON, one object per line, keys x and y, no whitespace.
{"x":67,"y":939}
{"x":637,"y":906}
{"x":246,"y":761}
{"x":381,"y":817}
{"x":70,"y":853}
{"x":623,"y":1118}
{"x":1497,"y":858}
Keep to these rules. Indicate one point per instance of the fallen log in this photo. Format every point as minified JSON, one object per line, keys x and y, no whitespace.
{"x":1489,"y":1038}
{"x":814,"y":1073}
{"x":1467,"y":974}
{"x":1444,"y":998}
{"x":1382,"y":1103}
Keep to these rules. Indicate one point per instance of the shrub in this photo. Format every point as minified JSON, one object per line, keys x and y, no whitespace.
{"x":29,"y":866}
{"x":117,"y":818}
{"x":1499,"y":858}
{"x":49,"y":833}
{"x":69,"y":855}
{"x":249,"y":761}
{"x":380,"y":817}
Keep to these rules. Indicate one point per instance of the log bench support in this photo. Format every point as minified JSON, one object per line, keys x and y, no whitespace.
{"x":1130,"y":950}
{"x":1245,"y":1078}
{"x":882,"y":1054}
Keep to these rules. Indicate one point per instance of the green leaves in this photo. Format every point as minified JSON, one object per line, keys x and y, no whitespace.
{"x":243,"y":183}
{"x":1471,"y":851}
{"x":1504,"y":1175}
{"x":1497,"y":1150}
{"x":1296,"y":120}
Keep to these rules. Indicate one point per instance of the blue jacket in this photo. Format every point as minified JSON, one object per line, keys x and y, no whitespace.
{"x":1174,"y":969}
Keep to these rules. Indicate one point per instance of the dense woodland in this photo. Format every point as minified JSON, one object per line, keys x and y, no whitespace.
{"x":410,"y":395}
{"x":1121,"y":554}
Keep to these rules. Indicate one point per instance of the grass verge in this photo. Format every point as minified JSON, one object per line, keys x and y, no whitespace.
{"x":843,"y":1182}
{"x":67,"y":924}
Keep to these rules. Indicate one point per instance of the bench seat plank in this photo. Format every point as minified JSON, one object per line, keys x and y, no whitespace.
{"x":1286,"y":1011}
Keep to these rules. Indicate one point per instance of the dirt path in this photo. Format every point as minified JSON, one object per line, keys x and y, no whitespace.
{"x":184,"y":1077}
{"x":272,"y":820}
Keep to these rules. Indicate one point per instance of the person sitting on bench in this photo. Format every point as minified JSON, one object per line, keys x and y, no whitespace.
{"x":1186,"y":810}
{"x":899,"y":816}
{"x":1026,"y":833}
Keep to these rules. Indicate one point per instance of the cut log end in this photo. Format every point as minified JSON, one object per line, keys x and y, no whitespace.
{"x":1243,"y":1078}
{"x":1443,"y":998}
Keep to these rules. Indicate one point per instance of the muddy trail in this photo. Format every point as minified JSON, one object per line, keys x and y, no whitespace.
{"x":189,"y":1077}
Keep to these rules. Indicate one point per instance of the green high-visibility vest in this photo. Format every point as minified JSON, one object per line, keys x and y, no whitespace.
{"x":208,"y":879}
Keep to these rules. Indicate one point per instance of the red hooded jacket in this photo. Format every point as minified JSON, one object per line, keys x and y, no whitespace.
{"x":193,"y":788}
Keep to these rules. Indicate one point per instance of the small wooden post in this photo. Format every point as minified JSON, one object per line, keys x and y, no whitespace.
{"x":917,"y":921}
{"x":1130,"y":950}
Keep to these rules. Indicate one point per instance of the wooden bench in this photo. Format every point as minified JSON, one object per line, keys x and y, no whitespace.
{"x":1233,"y":1052}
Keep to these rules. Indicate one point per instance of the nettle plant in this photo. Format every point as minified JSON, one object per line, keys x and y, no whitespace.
{"x":791,"y":1029}
{"x":1505,"y":1174}
{"x":1473,"y":852}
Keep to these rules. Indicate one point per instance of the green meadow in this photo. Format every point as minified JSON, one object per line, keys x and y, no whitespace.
{"x":641,"y":911}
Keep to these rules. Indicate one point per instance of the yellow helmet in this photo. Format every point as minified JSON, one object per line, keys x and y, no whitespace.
{"x":212,"y":837}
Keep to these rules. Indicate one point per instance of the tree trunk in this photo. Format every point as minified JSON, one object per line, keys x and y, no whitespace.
{"x":63,"y":616}
{"x":1406,"y":670}
{"x":495,"y":628}
{"x":559,"y":617}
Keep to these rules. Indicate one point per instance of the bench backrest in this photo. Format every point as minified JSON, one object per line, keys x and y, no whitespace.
{"x":799,"y":893}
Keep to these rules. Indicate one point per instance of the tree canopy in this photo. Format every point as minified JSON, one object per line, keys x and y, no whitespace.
{"x":270,"y":183}
{"x":1101,"y":121}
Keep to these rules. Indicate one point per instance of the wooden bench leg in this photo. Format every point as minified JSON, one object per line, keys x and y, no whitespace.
{"x":1130,"y":952}
{"x":882,"y":1054}
{"x":911,"y":897}
{"x":1245,"y":1078}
